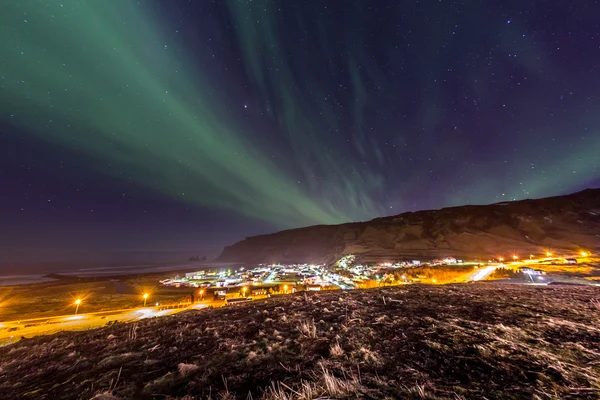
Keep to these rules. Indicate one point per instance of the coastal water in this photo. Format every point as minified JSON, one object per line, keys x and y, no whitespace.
{"x":9,"y":280}
{"x":14,"y":279}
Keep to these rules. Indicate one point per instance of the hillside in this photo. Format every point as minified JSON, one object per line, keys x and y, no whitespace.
{"x":438,"y":342}
{"x":562,"y":223}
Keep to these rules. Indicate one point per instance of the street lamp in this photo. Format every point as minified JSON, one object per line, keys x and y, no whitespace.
{"x":501,"y":259}
{"x":548,"y":254}
{"x":145,"y":296}
{"x":77,"y":303}
{"x":285,"y":288}
{"x":584,"y":254}
{"x":201,"y":293}
{"x":244,"y":291}
{"x":515,"y":257}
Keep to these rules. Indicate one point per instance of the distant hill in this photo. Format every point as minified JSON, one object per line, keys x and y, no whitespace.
{"x":563,"y":224}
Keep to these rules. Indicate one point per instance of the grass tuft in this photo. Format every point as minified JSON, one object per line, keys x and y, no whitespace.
{"x":308,"y":329}
{"x":336,"y":350}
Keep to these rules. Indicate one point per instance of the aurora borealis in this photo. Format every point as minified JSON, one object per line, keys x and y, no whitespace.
{"x":252,"y":116}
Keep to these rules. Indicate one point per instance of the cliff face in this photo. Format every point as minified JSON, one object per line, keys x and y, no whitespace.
{"x":562,"y":224}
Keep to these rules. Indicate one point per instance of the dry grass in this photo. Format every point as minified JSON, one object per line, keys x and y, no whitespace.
{"x":450,"y":342}
{"x":339,"y":387}
{"x":336,"y":350}
{"x":280,"y":391}
{"x":308,"y":329}
{"x":187,"y":369}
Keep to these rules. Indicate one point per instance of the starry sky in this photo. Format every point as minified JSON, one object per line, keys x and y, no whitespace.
{"x":154,"y":130}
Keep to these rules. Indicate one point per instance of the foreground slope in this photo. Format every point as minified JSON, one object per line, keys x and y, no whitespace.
{"x":563,"y":223}
{"x":444,"y":342}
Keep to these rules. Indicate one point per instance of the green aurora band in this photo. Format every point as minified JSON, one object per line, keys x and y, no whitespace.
{"x":108,"y":80}
{"x":116,"y":92}
{"x":505,"y":178}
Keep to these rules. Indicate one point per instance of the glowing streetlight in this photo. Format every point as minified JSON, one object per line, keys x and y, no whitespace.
{"x":244,"y":291}
{"x":434,"y":280}
{"x":515,"y":257}
{"x":500,"y":259}
{"x":584,"y":254}
{"x":145,"y":296}
{"x":285,"y":288}
{"x":548,"y":254}
{"x":77,"y":303}
{"x":201,"y":293}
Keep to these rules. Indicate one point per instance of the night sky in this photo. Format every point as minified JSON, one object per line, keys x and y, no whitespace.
{"x":147,"y":130}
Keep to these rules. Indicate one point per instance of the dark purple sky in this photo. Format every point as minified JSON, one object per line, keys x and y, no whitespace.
{"x":152,"y":131}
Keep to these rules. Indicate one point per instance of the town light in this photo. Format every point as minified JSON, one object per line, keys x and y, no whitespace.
{"x":584,"y":254}
{"x":515,"y":257}
{"x":77,"y":303}
{"x":145,"y":296}
{"x":548,"y":254}
{"x":285,"y":288}
{"x":501,"y":259}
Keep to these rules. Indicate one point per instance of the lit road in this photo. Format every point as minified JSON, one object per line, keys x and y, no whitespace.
{"x":329,"y":278}
{"x":270,"y":277}
{"x":483,"y":273}
{"x":11,"y":331}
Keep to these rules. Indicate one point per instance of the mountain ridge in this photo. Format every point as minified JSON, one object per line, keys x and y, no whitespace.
{"x":560,"y":223}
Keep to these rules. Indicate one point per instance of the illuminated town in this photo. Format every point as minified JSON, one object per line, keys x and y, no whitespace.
{"x":210,"y":287}
{"x":235,"y":284}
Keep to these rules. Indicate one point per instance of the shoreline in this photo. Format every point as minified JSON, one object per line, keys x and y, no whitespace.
{"x":103,"y":273}
{"x":105,"y":292}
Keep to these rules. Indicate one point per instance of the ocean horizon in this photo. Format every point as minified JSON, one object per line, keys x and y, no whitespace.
{"x":37,"y":277}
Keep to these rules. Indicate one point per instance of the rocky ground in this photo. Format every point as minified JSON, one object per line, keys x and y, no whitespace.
{"x":437,"y":342}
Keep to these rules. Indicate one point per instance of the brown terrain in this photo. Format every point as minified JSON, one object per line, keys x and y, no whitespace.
{"x":475,"y":341}
{"x":563,"y":224}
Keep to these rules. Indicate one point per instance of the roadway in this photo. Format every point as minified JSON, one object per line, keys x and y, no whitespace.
{"x":483,"y":273}
{"x":270,"y":277}
{"x":12,"y":331}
